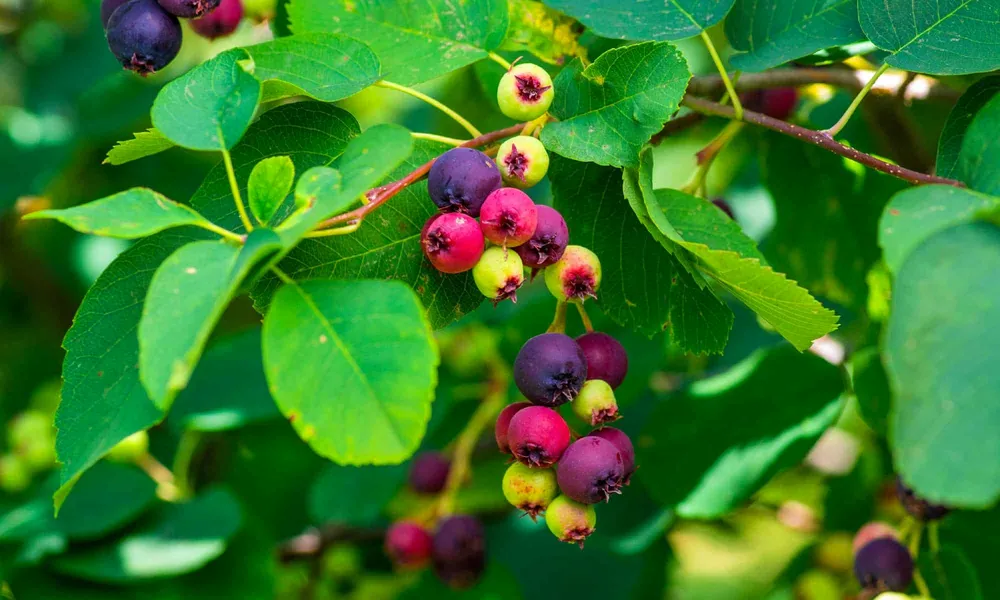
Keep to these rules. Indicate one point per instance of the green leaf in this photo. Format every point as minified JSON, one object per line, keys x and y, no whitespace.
{"x":353,"y":367}
{"x":959,"y":119}
{"x":915,"y":214}
{"x":674,"y":20}
{"x":270,"y":182}
{"x":871,"y":385}
{"x":542,"y":31}
{"x":210,"y":106}
{"x":102,"y":399}
{"x":324,"y":66}
{"x":387,"y":245}
{"x":132,"y":214}
{"x":772,"y":32}
{"x":940,"y":353}
{"x":143,"y":144}
{"x":739,"y":429}
{"x":371,"y":488}
{"x":415,"y":40}
{"x":609,"y":110}
{"x":944,"y":37}
{"x":183,"y":538}
{"x":186,"y":298}
{"x":949,"y":574}
{"x":643,"y":286}
{"x":978,"y":534}
{"x":979,"y":160}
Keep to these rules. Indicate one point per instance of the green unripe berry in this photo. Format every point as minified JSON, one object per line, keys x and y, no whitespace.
{"x":818,"y":585}
{"x":523,"y":161}
{"x":570,"y":521}
{"x":574,"y":277}
{"x":531,"y":490}
{"x":525,"y":92}
{"x":892,"y":596}
{"x":31,"y":436}
{"x":596,"y":403}
{"x":131,"y":448}
{"x":498,"y":274}
{"x":15,"y":474}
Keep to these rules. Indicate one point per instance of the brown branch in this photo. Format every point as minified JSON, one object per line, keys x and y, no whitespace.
{"x":817,"y":138}
{"x":888,"y":84}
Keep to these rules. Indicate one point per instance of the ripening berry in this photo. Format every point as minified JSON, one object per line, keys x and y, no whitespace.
{"x":498,"y":274}
{"x":31,"y":436}
{"x":143,"y":37}
{"x":523,"y":161}
{"x":872,"y":531}
{"x":570,"y":521}
{"x":508,"y":217}
{"x":503,"y":424}
{"x":221,"y":21}
{"x":549,"y":241}
{"x":538,"y":436}
{"x":590,"y":470}
{"x":596,"y":403}
{"x":525,"y":92}
{"x":429,"y":472}
{"x":131,"y":448}
{"x":408,"y":544}
{"x":108,"y":7}
{"x":461,"y":179}
{"x":817,"y":584}
{"x":453,"y":242}
{"x":550,"y":369}
{"x":528,"y":489}
{"x":777,"y":103}
{"x":885,"y":565}
{"x":624,"y":445}
{"x":606,"y":357}
{"x":188,"y":9}
{"x":15,"y":474}
{"x":459,"y":551}
{"x":576,"y":276}
{"x":834,"y":553}
{"x":919,"y":508}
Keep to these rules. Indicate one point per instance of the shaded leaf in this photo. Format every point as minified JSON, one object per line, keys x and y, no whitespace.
{"x":370,"y":489}
{"x":674,"y":20}
{"x":270,"y":182}
{"x":871,"y":385}
{"x":959,"y":119}
{"x":979,"y":160}
{"x":542,"y":31}
{"x":143,"y":144}
{"x":949,"y":574}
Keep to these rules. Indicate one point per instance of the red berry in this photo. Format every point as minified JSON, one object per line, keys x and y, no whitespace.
{"x":453,"y":242}
{"x":221,"y":21}
{"x":538,"y":436}
{"x":606,"y":357}
{"x":547,"y":244}
{"x":408,"y":544}
{"x":508,"y":217}
{"x":459,"y":551}
{"x":624,"y":445}
{"x":777,"y":103}
{"x":503,"y":424}
{"x":590,"y":470}
{"x":429,"y":472}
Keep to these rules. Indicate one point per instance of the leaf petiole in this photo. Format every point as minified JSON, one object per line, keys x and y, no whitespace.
{"x":235,"y":187}
{"x":500,"y":60}
{"x":844,"y":118}
{"x":438,"y":138}
{"x":737,"y":107}
{"x":435,"y":103}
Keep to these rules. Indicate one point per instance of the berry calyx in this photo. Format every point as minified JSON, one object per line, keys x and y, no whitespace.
{"x":503,"y":424}
{"x":918,"y":507}
{"x":872,"y":531}
{"x":606,"y":357}
{"x":576,"y":276}
{"x":538,"y":436}
{"x":188,"y":9}
{"x":408,"y":544}
{"x":547,"y":244}
{"x":525,"y":92}
{"x":590,"y":470}
{"x":550,"y":369}
{"x":596,"y":403}
{"x":531,"y":490}
{"x":220,"y":21}
{"x":429,"y":472}
{"x":131,"y":449}
{"x":108,"y":8}
{"x":458,"y":551}
{"x":884,"y":565}
{"x":570,"y":521}
{"x":498,"y":274}
{"x":624,"y":445}
{"x":461,"y":179}
{"x":143,"y":37}
{"x":508,"y":217}
{"x":453,"y":242}
{"x":523,"y":161}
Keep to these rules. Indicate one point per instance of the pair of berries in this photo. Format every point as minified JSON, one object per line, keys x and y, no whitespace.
{"x":145,"y":35}
{"x":457,"y":549}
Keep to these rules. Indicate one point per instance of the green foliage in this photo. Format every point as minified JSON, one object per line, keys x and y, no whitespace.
{"x":145,"y":143}
{"x":950,"y":575}
{"x":959,"y":119}
{"x":270,"y":182}
{"x":871,"y":386}
{"x":674,"y":20}
{"x":353,"y":495}
{"x":978,"y":161}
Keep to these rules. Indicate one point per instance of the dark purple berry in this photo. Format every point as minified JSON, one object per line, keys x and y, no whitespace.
{"x":459,"y":551}
{"x":918,"y":507}
{"x":624,"y":445}
{"x":429,"y":472}
{"x":408,"y":544}
{"x":221,"y":21}
{"x":724,"y":207}
{"x":872,"y":531}
{"x":508,"y":217}
{"x":143,"y":37}
{"x":503,"y":424}
{"x":538,"y":436}
{"x":606,"y":357}
{"x":108,"y":7}
{"x":453,"y":242}
{"x":884,"y":565}
{"x":549,"y":241}
{"x":188,"y":9}
{"x":590,"y":470}
{"x":775,"y":102}
{"x":461,"y":179}
{"x":550,"y":369}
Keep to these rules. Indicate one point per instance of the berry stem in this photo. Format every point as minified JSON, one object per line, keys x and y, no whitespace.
{"x":438,"y":138}
{"x":844,"y":118}
{"x":435,"y":103}
{"x":918,"y":580}
{"x":229,"y":235}
{"x":587,"y":324}
{"x":933,"y":538}
{"x":183,"y":458}
{"x":707,"y":155}
{"x":166,"y":487}
{"x":235,"y":187}
{"x":737,"y":107}
{"x":500,"y":60}
{"x":914,"y":544}
{"x":559,"y":320}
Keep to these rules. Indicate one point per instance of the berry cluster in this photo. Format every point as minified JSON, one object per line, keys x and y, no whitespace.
{"x":145,"y":35}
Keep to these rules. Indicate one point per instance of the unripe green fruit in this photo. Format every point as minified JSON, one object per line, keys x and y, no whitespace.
{"x":570,"y":521}
{"x":131,"y":448}
{"x":817,"y":585}
{"x":531,"y":490}
{"x":525,"y":92}
{"x":15,"y":475}
{"x":523,"y":161}
{"x":32,"y":438}
{"x":892,"y":596}
{"x":596,"y":403}
{"x":498,"y":274}
{"x":576,"y":276}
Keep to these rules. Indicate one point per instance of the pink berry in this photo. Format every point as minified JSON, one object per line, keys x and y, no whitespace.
{"x":508,"y":217}
{"x":221,"y":21}
{"x":624,"y":445}
{"x":408,"y":544}
{"x":503,"y":424}
{"x":453,"y":242}
{"x":538,"y":436}
{"x":872,"y":531}
{"x":547,"y":244}
{"x":590,"y":470}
